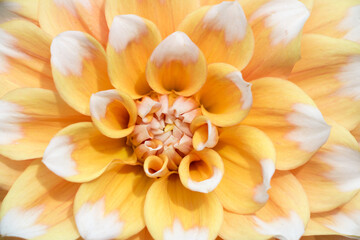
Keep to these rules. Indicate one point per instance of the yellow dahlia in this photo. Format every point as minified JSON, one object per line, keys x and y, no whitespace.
{"x":180,"y":119}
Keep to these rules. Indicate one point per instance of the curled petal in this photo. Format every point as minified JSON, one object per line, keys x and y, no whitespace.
{"x":156,"y":166}
{"x":205,"y":133}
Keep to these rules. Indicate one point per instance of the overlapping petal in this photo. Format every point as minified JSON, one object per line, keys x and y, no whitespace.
{"x":10,"y":170}
{"x":11,"y":9}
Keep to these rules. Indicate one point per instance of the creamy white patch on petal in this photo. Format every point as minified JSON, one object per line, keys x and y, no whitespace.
{"x":244,"y":87}
{"x":94,"y":224}
{"x":351,"y":24}
{"x":311,"y":130}
{"x":10,"y":117}
{"x":268,"y":170}
{"x":207,"y":185}
{"x":68,"y":4}
{"x":346,"y":223}
{"x":100,"y":100}
{"x":282,"y":228}
{"x":177,"y":232}
{"x":349,"y":76}
{"x":125,"y":29}
{"x":345,"y":163}
{"x":285,"y":17}
{"x":68,"y":50}
{"x":177,"y":46}
{"x":229,"y":17}
{"x":7,"y":11}
{"x":57,"y":157}
{"x":21,"y":223}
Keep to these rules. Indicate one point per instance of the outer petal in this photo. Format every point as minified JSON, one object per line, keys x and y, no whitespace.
{"x":80,"y":153}
{"x":29,"y":118}
{"x":79,"y":68}
{"x":332,"y":176}
{"x":225,"y":98}
{"x":356,"y":133}
{"x":277,"y":26}
{"x":166,"y":14}
{"x":57,"y":16}
{"x":10,"y":170}
{"x":248,"y":156}
{"x":329,"y":71}
{"x":24,"y":56}
{"x":335,"y":19}
{"x":112,"y":206}
{"x":113,"y":113}
{"x":284,"y":216}
{"x":131,"y":42}
{"x":19,"y":8}
{"x":290,"y":118}
{"x":222,"y":33}
{"x":176,"y":65}
{"x":184,"y":214}
{"x":39,"y":206}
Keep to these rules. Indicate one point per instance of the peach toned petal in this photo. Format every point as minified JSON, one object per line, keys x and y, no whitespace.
{"x":10,"y":170}
{"x":205,"y":134}
{"x":290,"y":118}
{"x":19,"y":8}
{"x":356,"y":133}
{"x":143,"y":235}
{"x":156,"y":166}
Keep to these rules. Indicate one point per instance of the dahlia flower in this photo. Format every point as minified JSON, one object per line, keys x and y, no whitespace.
{"x":180,"y":119}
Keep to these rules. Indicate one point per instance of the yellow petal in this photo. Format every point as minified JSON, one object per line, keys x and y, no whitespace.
{"x":10,"y":170}
{"x":283,"y":217}
{"x":277,"y":27}
{"x":128,"y":53}
{"x":114,"y":113}
{"x":26,"y":9}
{"x":290,"y":118}
{"x":156,"y":166}
{"x":329,"y":72}
{"x":225,"y":98}
{"x":79,"y":68}
{"x":80,"y":153}
{"x":331,"y":177}
{"x":29,"y":119}
{"x":184,"y":214}
{"x":25,"y":56}
{"x":176,"y":65}
{"x":39,"y":206}
{"x":112,"y":206}
{"x":222,"y":33}
{"x":166,"y":14}
{"x":335,"y":19}
{"x":249,"y":162}
{"x":205,"y":134}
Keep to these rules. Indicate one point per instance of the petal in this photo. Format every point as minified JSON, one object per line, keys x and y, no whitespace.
{"x":132,"y":39}
{"x":19,"y":8}
{"x":166,"y":14}
{"x":143,"y":235}
{"x":225,"y":98}
{"x":332,"y":176}
{"x":79,"y":68}
{"x":184,"y":214}
{"x":222,"y":33}
{"x":283,"y":217}
{"x":249,"y":162}
{"x":29,"y":118}
{"x":156,"y":166}
{"x":335,"y":19}
{"x":290,"y":118}
{"x":205,"y":134}
{"x":341,"y":221}
{"x":112,"y":205}
{"x":24,"y":56}
{"x":356,"y":133}
{"x":80,"y":153}
{"x":113,"y":113}
{"x":277,"y":27}
{"x":176,"y":65}
{"x":10,"y":170}
{"x":57,"y":16}
{"x":329,"y":71}
{"x":39,"y":206}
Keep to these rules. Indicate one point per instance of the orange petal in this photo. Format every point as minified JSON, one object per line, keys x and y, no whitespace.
{"x":356,"y":133}
{"x":290,"y":118}
{"x":128,"y":53}
{"x":277,"y":27}
{"x":176,"y":65}
{"x":205,"y":134}
{"x":329,"y":72}
{"x":113,"y":113}
{"x":29,"y":119}
{"x":283,"y":217}
{"x":39,"y":206}
{"x":249,"y":162}
{"x":184,"y":214}
{"x":10,"y":170}
{"x":222,"y":33}
{"x":112,"y":205}
{"x":143,"y":235}
{"x":24,"y":57}
{"x":156,"y":166}
{"x":80,"y":153}
{"x":166,"y":14}
{"x":331,"y":177}
{"x":79,"y":68}
{"x":225,"y":98}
